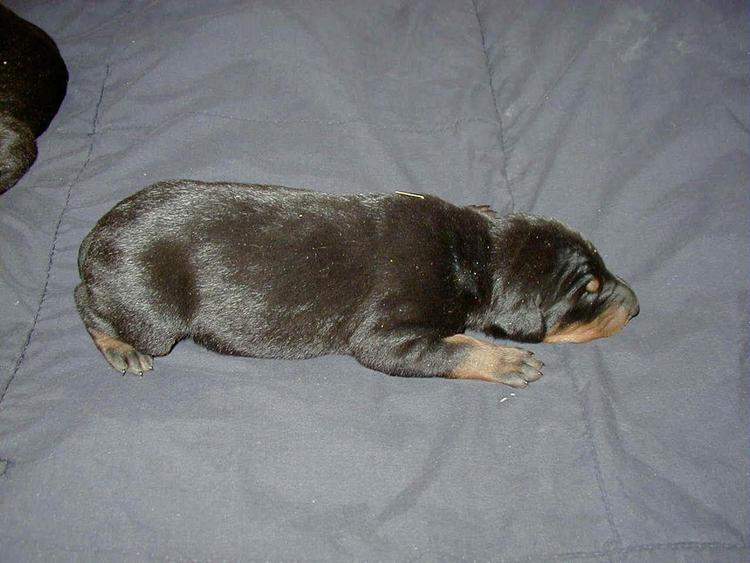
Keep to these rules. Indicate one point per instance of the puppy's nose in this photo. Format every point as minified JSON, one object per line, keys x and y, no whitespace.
{"x":627,"y":298}
{"x":635,"y":310}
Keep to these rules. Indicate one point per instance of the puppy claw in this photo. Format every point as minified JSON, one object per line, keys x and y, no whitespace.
{"x":513,"y":380}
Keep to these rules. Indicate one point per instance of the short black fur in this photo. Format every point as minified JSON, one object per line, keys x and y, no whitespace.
{"x":274,"y":272}
{"x":33,"y":82}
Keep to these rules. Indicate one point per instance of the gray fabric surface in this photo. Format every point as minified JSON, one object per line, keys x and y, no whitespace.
{"x":628,"y":120}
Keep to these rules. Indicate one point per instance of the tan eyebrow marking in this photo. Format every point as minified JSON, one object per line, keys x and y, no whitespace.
{"x":594,"y":285}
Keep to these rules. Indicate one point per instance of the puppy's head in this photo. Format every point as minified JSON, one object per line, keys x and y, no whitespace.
{"x":551,"y":285}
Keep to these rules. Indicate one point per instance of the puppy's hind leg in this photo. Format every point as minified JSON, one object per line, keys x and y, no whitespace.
{"x":120,"y":355}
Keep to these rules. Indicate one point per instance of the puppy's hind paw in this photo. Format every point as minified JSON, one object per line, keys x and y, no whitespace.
{"x":121,"y":355}
{"x":129,"y":361}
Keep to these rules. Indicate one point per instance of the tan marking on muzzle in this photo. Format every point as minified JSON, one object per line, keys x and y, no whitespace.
{"x":609,"y":322}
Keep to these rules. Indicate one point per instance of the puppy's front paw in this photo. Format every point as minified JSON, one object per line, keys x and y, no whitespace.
{"x":515,"y":367}
{"x":500,"y":364}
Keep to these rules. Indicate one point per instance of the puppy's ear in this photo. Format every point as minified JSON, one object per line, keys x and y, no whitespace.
{"x":518,"y":318}
{"x":485,"y":210}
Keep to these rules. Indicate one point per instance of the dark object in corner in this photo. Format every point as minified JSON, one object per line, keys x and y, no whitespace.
{"x":33,"y":82}
{"x":391,"y":279}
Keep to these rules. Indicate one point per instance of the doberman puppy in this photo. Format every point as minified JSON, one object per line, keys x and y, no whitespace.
{"x":393,"y":280}
{"x":33,"y":82}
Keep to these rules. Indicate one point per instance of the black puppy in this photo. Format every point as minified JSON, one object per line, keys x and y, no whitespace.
{"x":391,"y":279}
{"x":33,"y":81}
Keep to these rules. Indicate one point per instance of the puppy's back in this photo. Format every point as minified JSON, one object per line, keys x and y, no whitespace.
{"x":272,"y":271}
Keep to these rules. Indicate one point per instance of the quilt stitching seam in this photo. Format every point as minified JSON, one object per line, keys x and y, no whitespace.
{"x":423,"y":130}
{"x":667,"y":547}
{"x":589,"y":436}
{"x":587,"y":419}
{"x":53,"y":248}
{"x":498,"y":116}
{"x":677,"y":546}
